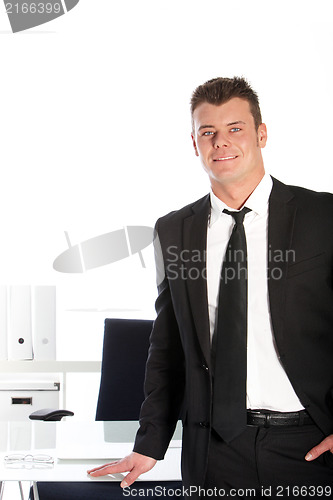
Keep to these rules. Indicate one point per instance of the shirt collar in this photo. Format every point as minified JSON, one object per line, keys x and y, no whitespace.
{"x":257,"y":201}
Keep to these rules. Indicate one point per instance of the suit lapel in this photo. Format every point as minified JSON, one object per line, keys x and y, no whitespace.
{"x":195,"y":241}
{"x":281,"y":218}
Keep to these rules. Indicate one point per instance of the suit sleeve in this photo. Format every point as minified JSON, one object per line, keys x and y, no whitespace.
{"x":165,"y":375}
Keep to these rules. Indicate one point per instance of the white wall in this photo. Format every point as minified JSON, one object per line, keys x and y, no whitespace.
{"x":95,"y":131}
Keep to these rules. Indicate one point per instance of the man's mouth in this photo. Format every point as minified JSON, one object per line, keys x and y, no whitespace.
{"x":224,"y":158}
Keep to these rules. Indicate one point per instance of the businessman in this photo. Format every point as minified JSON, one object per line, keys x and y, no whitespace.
{"x":242,"y":346}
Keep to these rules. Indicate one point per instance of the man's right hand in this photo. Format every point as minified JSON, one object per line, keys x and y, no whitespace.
{"x":134,"y":463}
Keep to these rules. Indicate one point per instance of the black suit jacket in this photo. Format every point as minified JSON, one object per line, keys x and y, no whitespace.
{"x":300,"y":284}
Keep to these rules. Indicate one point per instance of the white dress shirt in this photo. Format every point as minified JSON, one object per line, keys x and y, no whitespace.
{"x":267,"y":383}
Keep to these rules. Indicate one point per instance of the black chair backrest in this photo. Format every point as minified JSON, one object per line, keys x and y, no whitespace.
{"x":125,"y":351}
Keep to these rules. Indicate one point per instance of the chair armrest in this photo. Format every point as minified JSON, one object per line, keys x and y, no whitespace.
{"x":49,"y":414}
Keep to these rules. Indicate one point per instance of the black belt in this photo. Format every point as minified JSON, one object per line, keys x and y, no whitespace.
{"x":267,"y":418}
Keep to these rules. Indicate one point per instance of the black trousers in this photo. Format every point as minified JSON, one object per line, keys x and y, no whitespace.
{"x":269,"y":463}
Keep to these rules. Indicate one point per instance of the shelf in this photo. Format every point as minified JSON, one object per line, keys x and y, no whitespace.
{"x":49,"y":366}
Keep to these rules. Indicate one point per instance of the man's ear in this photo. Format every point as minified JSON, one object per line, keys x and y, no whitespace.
{"x":194,"y":145}
{"x":262,"y":135}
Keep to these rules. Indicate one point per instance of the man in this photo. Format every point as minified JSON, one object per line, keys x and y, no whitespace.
{"x":272,"y":426}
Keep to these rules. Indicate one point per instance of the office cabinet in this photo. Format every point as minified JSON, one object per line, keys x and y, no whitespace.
{"x":20,"y":398}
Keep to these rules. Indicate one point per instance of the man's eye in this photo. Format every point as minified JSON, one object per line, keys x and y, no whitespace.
{"x":208,"y":133}
{"x":235,"y":129}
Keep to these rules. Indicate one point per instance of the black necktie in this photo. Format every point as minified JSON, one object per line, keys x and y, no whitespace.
{"x":230,"y":339}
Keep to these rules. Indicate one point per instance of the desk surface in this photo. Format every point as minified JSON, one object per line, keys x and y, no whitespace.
{"x":42,"y":437}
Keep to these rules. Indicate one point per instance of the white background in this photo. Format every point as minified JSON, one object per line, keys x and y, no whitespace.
{"x":95,"y":131}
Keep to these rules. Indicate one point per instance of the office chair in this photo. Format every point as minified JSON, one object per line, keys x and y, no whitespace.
{"x":125,"y":350}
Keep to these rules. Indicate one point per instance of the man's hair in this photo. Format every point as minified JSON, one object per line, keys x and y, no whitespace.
{"x":220,"y":90}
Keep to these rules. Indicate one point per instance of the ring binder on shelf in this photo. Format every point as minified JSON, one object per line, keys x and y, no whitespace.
{"x":3,"y":323}
{"x":19,"y":328}
{"x":44,"y":322}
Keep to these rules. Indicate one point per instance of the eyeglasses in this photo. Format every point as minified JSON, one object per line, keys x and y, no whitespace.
{"x":28,"y":459}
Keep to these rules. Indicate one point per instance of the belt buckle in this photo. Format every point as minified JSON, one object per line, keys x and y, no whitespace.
{"x":267,"y":420}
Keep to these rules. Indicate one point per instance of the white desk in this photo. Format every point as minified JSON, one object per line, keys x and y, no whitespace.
{"x":41,"y":437}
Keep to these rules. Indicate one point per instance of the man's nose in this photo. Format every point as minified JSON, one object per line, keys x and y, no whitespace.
{"x":220,"y":141}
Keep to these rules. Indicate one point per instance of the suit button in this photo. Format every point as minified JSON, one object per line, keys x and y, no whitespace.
{"x":205,"y":367}
{"x":204,"y":425}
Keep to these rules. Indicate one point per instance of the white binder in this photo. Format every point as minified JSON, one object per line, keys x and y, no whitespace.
{"x":3,"y":322}
{"x":19,"y":331}
{"x":44,"y":322}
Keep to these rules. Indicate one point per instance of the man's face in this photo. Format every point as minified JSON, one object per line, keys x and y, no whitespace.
{"x":227,"y":142}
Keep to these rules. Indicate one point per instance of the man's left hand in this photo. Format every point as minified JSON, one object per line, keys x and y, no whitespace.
{"x":325,"y":445}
